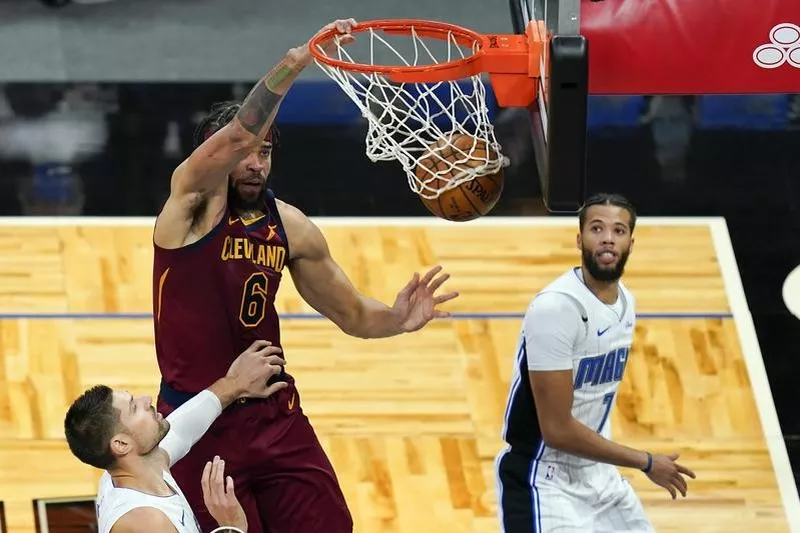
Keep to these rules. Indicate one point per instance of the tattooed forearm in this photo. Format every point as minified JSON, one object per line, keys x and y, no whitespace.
{"x":276,"y":79}
{"x":261,"y":105}
{"x":257,"y":108}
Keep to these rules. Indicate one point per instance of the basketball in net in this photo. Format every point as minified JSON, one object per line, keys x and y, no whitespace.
{"x":446,"y":161}
{"x":425,"y":105}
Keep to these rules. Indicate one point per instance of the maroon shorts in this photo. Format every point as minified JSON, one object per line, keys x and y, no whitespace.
{"x":281,"y":474}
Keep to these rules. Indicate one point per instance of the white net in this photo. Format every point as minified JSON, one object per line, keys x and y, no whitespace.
{"x":440,"y":132}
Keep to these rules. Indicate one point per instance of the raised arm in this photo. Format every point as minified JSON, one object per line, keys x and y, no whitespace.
{"x":198,"y":189}
{"x":324,"y":285}
{"x":552,"y":326}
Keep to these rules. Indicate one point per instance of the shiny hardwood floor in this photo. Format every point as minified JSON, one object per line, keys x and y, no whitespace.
{"x":411,"y":423}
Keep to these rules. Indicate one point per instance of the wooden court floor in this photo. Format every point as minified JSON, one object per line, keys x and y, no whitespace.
{"x":412,"y":423}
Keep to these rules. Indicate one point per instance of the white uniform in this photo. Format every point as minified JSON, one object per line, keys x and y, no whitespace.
{"x":540,"y":489}
{"x":113,"y":502}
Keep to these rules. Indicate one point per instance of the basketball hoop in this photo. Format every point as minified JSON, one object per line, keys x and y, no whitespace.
{"x":431,"y":99}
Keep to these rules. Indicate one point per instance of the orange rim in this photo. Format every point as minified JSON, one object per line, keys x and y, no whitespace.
{"x":461,"y":68}
{"x":512,"y":61}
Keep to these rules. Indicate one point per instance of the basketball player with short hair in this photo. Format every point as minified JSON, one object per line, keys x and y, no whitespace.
{"x":221,"y":244}
{"x":558,"y":472}
{"x":124,"y":435}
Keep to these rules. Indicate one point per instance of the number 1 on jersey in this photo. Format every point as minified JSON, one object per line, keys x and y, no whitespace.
{"x":254,"y":300}
{"x":608,"y":401}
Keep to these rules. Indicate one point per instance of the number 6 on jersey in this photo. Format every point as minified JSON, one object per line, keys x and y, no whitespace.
{"x":254,"y":300}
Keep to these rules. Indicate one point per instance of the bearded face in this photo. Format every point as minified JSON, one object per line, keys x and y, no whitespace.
{"x":605,"y":241}
{"x":248,"y":181}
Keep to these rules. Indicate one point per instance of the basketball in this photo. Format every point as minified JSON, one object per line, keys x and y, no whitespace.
{"x":471,"y":199}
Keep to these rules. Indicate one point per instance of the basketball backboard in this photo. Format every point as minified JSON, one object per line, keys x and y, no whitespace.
{"x":558,"y":117}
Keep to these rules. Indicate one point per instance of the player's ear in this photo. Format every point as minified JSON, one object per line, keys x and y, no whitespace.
{"x":579,"y":241}
{"x":120,"y":444}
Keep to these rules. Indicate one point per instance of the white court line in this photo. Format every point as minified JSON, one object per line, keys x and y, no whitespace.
{"x":431,"y":222}
{"x":757,"y":373}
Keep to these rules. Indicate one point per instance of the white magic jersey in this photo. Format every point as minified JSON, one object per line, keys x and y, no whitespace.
{"x":113,"y":502}
{"x":567,"y":327}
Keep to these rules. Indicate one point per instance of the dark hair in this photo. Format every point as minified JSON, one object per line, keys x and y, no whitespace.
{"x":90,"y":423}
{"x":607,"y":199}
{"x":221,"y":114}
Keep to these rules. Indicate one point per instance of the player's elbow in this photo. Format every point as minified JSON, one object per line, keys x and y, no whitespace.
{"x":556,"y":434}
{"x":238,"y":138}
{"x":232,"y":140}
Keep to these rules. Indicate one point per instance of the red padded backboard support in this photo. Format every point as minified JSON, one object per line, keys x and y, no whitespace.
{"x":692,"y":46}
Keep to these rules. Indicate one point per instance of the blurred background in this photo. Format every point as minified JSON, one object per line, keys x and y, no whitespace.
{"x":98,"y":101}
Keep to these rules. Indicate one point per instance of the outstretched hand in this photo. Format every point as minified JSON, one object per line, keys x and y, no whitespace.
{"x":219,"y":496}
{"x":416,"y":303}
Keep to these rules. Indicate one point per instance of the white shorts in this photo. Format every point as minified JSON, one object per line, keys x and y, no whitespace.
{"x":541,"y":497}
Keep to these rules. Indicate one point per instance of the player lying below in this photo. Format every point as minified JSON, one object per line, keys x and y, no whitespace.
{"x":125,"y":436}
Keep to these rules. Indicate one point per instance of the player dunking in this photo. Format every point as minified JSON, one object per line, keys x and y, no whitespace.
{"x":221,"y":243}
{"x":557,"y":473}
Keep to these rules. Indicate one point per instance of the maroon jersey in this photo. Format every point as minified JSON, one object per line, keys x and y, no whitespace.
{"x":213,"y":298}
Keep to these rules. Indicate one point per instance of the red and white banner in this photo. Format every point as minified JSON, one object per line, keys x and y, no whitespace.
{"x":692,"y":46}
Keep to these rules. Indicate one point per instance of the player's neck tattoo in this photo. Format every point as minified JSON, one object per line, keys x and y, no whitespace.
{"x":249,"y":214}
